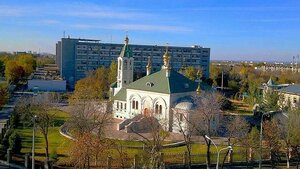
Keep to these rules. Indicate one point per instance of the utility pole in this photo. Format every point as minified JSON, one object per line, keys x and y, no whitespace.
{"x":297,"y":63}
{"x":222,"y":81}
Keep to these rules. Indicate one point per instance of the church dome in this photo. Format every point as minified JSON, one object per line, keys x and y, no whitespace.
{"x":184,"y":105}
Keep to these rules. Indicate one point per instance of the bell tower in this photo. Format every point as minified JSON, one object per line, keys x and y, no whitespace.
{"x":125,"y":66}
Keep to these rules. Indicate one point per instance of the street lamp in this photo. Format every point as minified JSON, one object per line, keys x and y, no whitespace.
{"x":229,"y":147}
{"x":216,"y":148}
{"x":33,"y":137}
{"x":261,"y":136}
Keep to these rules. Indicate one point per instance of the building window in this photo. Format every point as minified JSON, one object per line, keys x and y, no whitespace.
{"x":295,"y":100}
{"x":160,"y":109}
{"x":121,"y":106}
{"x":117,"y":105}
{"x":133,"y":104}
{"x":180,"y":117}
{"x":125,"y":64}
{"x":125,"y":106}
{"x":137,"y":105}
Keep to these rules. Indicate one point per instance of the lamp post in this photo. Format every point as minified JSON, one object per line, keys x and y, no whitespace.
{"x":214,"y":145}
{"x":261,"y":136}
{"x":33,"y":137}
{"x":229,"y":147}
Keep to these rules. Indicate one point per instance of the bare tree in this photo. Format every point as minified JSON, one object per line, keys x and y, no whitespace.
{"x":89,"y":121}
{"x":153,"y":140}
{"x":39,"y":106}
{"x":88,"y":117}
{"x":272,"y":140}
{"x":88,"y":147}
{"x":181,"y":122}
{"x":206,"y":116}
{"x":238,"y":129}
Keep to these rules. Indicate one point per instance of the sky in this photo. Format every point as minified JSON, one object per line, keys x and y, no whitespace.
{"x":261,"y":30}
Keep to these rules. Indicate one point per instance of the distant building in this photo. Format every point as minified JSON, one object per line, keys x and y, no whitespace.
{"x":75,"y":57}
{"x":46,"y":79}
{"x":290,"y":93}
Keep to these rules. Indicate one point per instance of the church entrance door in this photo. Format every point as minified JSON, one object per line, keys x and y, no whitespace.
{"x":146,"y":112}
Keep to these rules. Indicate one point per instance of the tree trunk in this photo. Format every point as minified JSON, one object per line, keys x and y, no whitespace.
{"x":208,"y":162}
{"x":227,"y":153}
{"x":46,"y":146}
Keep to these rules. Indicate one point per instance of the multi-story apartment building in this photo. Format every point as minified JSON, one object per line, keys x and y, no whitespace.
{"x":75,"y":57}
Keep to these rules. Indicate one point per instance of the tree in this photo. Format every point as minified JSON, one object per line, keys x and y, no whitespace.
{"x":89,"y":121}
{"x":39,"y":106}
{"x":205,"y":118}
{"x":294,"y":136}
{"x":153,"y":143}
{"x":42,"y":61}
{"x":270,"y":102}
{"x":15,"y":142}
{"x":272,"y":139}
{"x":14,"y":73}
{"x":191,"y":73}
{"x":238,"y":129}
{"x":27,"y":62}
{"x":181,"y":121}
{"x":2,"y":68}
{"x":4,"y":95}
{"x":88,"y":147}
{"x":92,"y":116}
{"x":113,"y":70}
{"x":93,"y":87}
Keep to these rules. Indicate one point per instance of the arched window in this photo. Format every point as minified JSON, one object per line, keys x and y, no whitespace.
{"x":121,"y":106}
{"x":137,"y":105}
{"x":156,"y":108}
{"x":133,"y":104}
{"x":160,"y":109}
{"x":125,"y":64}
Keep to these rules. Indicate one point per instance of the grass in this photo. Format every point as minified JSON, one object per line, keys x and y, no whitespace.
{"x":240,"y":108}
{"x":61,"y":145}
{"x":56,"y":141}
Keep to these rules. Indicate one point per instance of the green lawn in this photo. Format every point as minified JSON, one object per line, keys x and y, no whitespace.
{"x":61,"y":144}
{"x":56,"y":141}
{"x":240,"y":108}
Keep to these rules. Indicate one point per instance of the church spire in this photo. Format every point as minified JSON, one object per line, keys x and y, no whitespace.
{"x":126,"y":40}
{"x":167,"y":65}
{"x":149,"y":66}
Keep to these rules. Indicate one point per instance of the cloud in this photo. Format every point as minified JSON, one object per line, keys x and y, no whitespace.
{"x":94,"y":11}
{"x":8,"y":11}
{"x":72,"y":10}
{"x":48,"y":22}
{"x":138,"y":27}
{"x":264,"y":20}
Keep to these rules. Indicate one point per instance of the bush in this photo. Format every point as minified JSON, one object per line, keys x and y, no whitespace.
{"x":15,"y":142}
{"x":15,"y":120}
{"x":53,"y":155}
{"x":226,"y":104}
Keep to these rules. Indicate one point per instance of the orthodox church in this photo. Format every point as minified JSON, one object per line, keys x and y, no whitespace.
{"x":155,"y":94}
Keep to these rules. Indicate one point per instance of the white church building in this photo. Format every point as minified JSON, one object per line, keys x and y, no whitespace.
{"x":155,"y":94}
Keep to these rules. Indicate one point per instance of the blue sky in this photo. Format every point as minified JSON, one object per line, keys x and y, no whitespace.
{"x":233,"y":29}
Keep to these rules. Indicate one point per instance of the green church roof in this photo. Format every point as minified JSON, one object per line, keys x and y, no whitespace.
{"x":158,"y":82}
{"x":121,"y":95}
{"x":126,"y":51}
